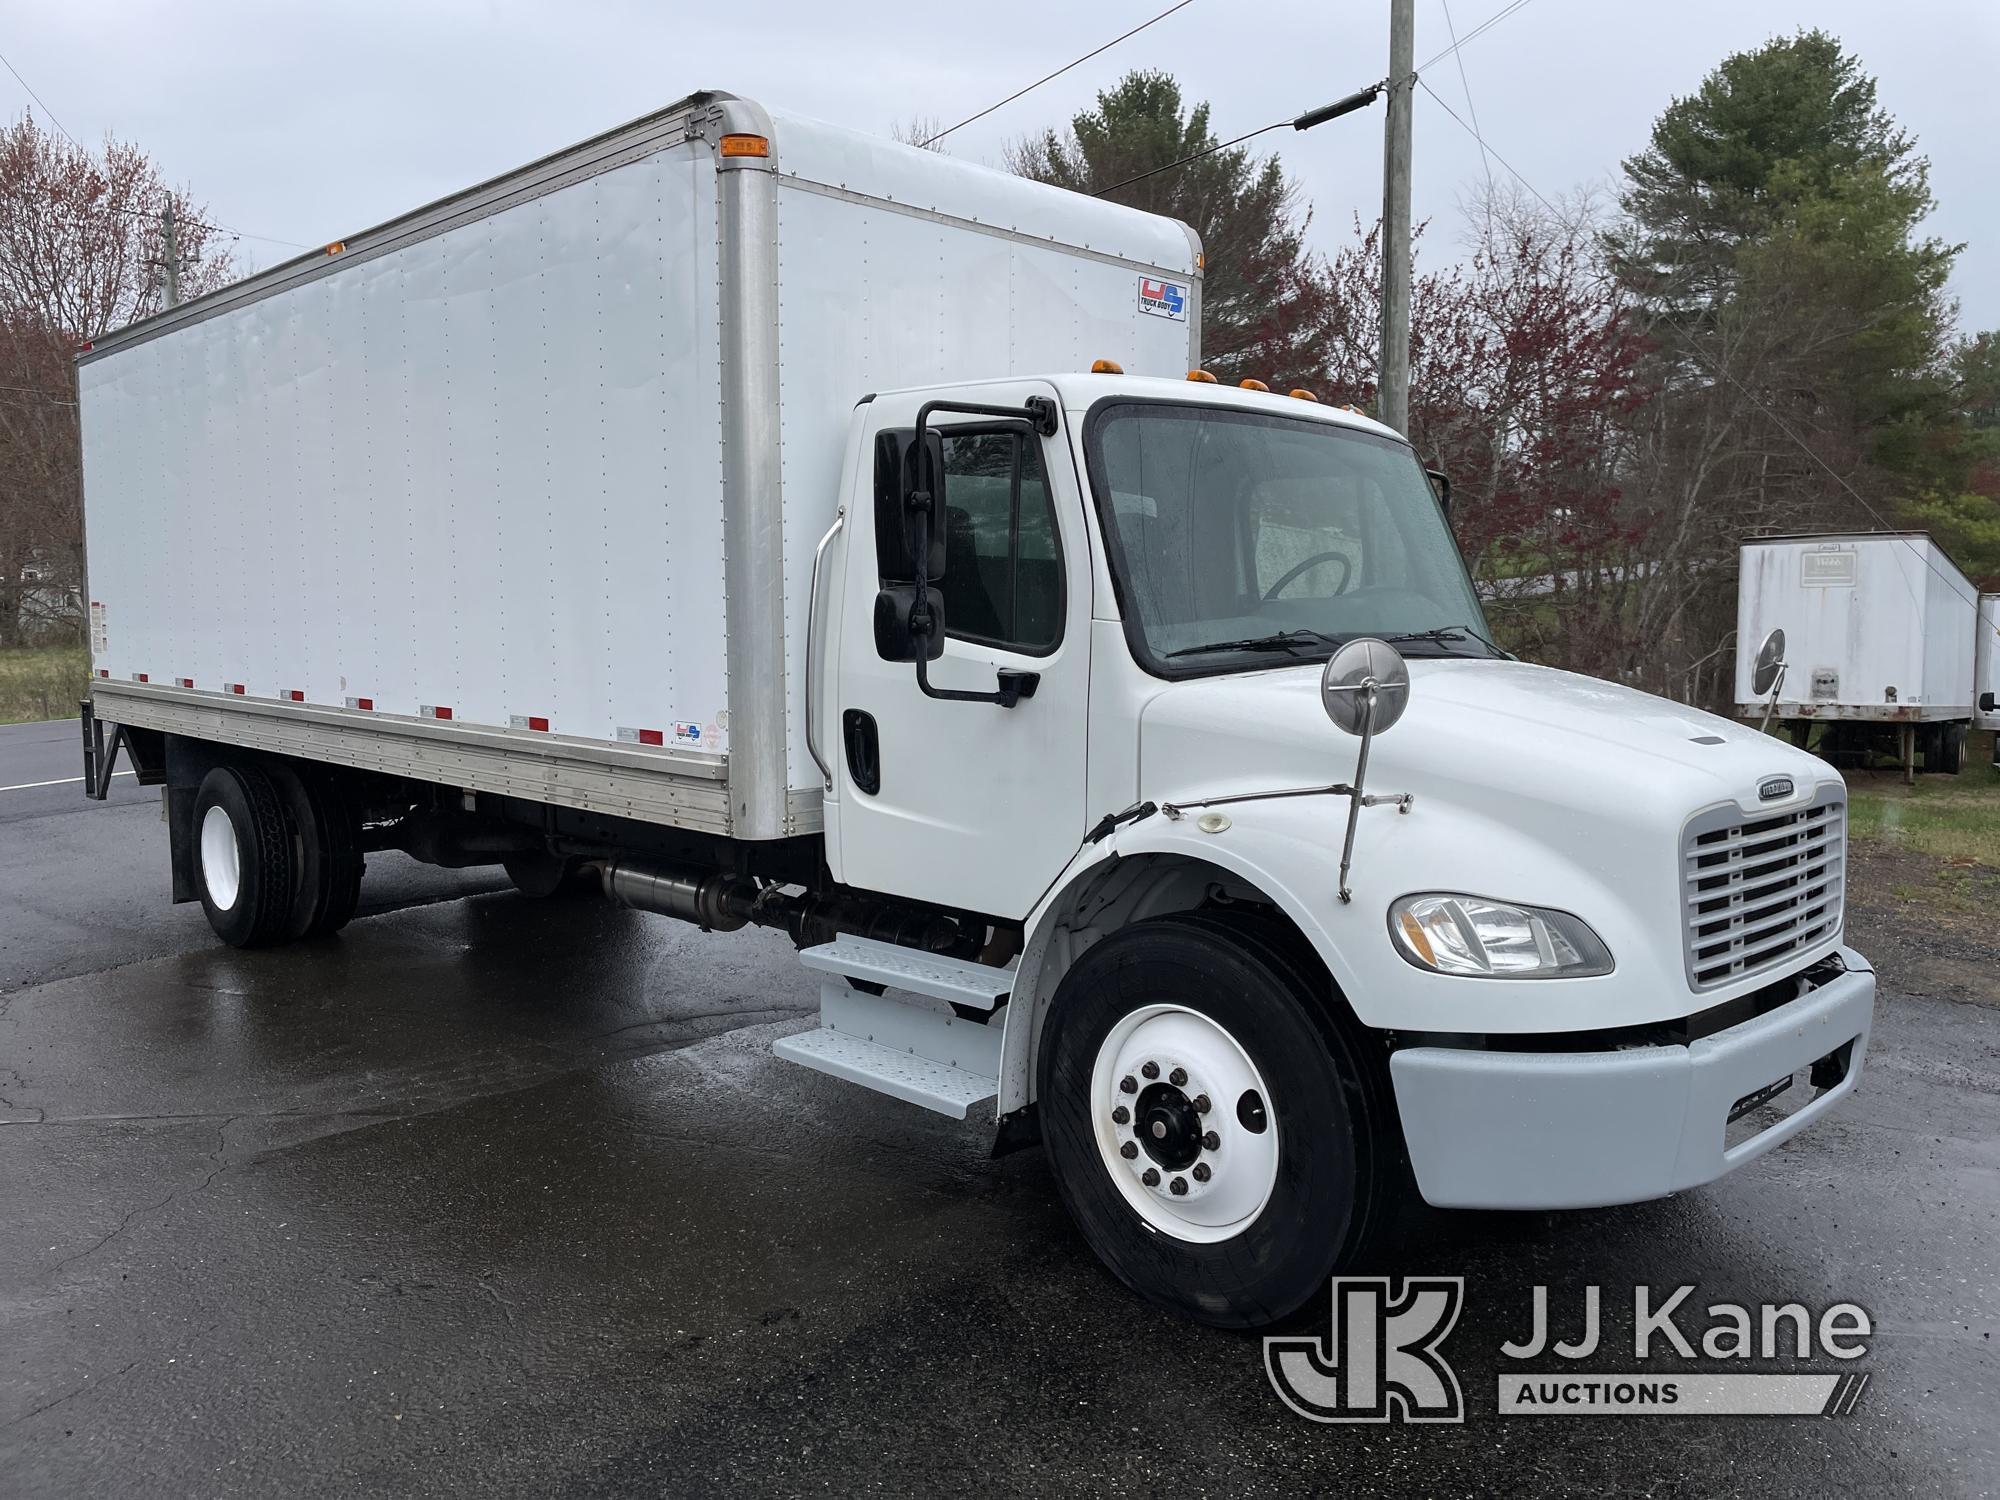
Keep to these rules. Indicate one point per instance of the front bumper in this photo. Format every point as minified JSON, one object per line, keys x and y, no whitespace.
{"x":1586,"y":1129}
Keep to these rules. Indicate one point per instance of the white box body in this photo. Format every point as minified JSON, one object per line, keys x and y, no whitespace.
{"x":493,"y":458}
{"x":1877,"y":626}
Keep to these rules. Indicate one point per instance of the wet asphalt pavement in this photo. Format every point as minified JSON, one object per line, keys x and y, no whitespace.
{"x":490,"y":1196}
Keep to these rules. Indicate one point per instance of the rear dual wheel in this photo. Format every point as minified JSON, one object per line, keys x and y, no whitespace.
{"x":1220,"y":1131}
{"x":276,"y":854}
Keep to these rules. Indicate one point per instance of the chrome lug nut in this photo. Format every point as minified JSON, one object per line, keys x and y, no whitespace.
{"x":1177,"y":1077}
{"x":1201,"y":1172}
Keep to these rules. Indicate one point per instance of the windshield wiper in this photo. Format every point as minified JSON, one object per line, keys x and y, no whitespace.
{"x":1294,"y":641}
{"x":1447,"y":633}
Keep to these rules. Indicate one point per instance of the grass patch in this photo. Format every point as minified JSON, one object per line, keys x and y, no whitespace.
{"x":42,"y":682}
{"x":1953,"y":819}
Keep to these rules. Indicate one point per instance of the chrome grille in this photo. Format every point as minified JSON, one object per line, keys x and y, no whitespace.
{"x":1758,"y":890}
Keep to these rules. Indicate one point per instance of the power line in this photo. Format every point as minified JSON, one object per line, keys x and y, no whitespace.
{"x":141,"y":213}
{"x":1484,"y":145}
{"x":1464,"y":82}
{"x":1716,"y":368}
{"x":1480,"y":30}
{"x":1307,"y":121}
{"x":1184,"y":4}
{"x":1359,"y":99}
{"x":38,"y":99}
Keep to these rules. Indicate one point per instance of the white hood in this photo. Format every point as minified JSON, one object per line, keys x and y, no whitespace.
{"x":1474,"y":730}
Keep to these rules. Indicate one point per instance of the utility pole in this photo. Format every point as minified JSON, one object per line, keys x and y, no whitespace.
{"x":173,"y":255}
{"x":1394,"y":403}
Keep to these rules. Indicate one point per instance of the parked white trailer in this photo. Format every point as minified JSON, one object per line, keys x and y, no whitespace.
{"x":1878,"y":639}
{"x":718,"y":513}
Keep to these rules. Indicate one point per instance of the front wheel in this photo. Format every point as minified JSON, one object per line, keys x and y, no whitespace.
{"x":1221,"y":1134}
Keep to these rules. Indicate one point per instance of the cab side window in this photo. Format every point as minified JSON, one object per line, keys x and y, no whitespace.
{"x":1003,"y":582}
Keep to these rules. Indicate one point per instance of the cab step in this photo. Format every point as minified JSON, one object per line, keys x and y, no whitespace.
{"x":917,"y":1050}
{"x":955,"y":979}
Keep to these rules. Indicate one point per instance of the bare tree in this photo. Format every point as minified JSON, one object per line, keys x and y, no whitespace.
{"x":82,"y":252}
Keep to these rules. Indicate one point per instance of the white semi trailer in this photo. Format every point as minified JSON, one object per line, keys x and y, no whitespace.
{"x":752,"y":518}
{"x":1878,"y":643}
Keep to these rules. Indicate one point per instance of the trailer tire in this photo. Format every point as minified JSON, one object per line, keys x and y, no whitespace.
{"x":243,"y":857}
{"x":1300,"y":1102}
{"x":1946,"y":754}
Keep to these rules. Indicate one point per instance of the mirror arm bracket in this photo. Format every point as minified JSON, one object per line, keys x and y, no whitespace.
{"x":1013,"y":686}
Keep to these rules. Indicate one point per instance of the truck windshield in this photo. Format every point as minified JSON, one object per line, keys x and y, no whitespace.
{"x":1237,"y":536}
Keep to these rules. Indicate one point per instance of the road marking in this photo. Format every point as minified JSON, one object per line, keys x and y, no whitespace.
{"x":29,"y":786}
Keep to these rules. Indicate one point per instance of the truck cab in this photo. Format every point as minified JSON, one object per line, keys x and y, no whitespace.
{"x":1590,"y":950}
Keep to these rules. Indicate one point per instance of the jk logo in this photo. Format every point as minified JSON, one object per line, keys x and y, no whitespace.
{"x":1381,"y":1362}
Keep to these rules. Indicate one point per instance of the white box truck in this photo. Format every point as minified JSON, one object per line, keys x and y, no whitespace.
{"x":752,"y":518}
{"x":1878,"y":643}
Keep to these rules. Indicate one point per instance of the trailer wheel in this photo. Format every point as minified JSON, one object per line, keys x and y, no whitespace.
{"x":1220,"y":1133}
{"x":1946,"y":754}
{"x":243,"y":857}
{"x":327,"y":864}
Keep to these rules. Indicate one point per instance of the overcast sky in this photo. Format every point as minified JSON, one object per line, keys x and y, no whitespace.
{"x":307,"y":123}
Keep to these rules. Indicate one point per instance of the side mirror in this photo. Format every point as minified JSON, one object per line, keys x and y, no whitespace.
{"x":1986,"y":703}
{"x":898,"y":476}
{"x":897,"y":637}
{"x":1768,"y":674}
{"x":1364,"y":690}
{"x":1770,"y":664}
{"x":1441,"y":487}
{"x":1365,"y":687}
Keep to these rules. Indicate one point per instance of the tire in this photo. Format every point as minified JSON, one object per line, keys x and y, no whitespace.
{"x":1229,"y":1001}
{"x":1947,"y":757}
{"x":243,"y":857}
{"x":327,"y":863}
{"x":340,"y":827}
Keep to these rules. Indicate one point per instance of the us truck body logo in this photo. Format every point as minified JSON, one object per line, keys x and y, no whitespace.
{"x":1163,"y":299}
{"x":1381,"y":1361}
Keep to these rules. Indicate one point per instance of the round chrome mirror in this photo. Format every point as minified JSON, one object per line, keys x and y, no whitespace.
{"x":1770,"y":657}
{"x":1356,"y":667}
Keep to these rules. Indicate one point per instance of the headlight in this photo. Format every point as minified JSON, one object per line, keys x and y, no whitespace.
{"x":1450,"y":934}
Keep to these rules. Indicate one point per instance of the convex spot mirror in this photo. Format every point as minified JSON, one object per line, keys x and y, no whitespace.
{"x":896,"y":637}
{"x":1770,"y":661}
{"x":1352,"y":671}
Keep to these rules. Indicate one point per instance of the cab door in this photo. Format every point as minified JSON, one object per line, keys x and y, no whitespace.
{"x":966,"y":804}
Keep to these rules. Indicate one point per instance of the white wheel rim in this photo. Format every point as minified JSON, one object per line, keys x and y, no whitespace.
{"x":221,"y":862}
{"x":1156,"y":1068}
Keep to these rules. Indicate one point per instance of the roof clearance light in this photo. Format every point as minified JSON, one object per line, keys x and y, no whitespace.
{"x":745,"y":145}
{"x":1300,"y":393}
{"x":338,"y":247}
{"x":1202,"y":375}
{"x":1106,"y":367}
{"x":1253,"y":385}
